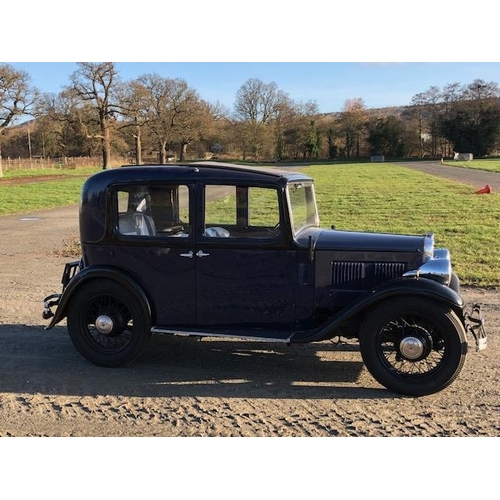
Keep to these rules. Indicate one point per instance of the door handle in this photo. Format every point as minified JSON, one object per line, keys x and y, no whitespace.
{"x":189,"y":255}
{"x":199,"y":253}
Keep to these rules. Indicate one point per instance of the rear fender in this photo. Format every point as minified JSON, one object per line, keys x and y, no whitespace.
{"x":95,"y":273}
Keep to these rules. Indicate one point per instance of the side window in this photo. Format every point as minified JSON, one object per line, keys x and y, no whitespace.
{"x":241,"y":212}
{"x":263,"y":207}
{"x":220,"y":211}
{"x":150,"y":210}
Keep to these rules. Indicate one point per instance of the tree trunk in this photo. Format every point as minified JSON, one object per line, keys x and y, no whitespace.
{"x":138,"y":146}
{"x":105,"y":146}
{"x":420,"y":138}
{"x":163,"y":152}
{"x":183,"y":151}
{"x":1,"y":169}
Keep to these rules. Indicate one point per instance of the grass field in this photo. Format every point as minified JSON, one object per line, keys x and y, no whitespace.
{"x":368,"y":197}
{"x":28,"y":196}
{"x":45,"y":172}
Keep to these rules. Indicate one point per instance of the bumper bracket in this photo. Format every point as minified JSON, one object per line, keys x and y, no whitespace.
{"x":474,"y":324}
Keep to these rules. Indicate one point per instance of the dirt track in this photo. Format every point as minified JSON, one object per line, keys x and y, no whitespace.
{"x":184,"y":387}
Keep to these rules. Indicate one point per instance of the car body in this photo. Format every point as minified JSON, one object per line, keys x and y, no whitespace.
{"x":214,"y":249}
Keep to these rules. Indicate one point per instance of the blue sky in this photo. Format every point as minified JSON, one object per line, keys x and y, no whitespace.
{"x":383,"y":52}
{"x":329,"y":84}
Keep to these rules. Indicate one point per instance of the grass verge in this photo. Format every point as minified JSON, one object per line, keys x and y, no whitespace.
{"x":37,"y":195}
{"x":492,"y":165}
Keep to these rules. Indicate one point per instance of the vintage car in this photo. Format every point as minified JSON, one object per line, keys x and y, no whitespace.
{"x":222,"y":250}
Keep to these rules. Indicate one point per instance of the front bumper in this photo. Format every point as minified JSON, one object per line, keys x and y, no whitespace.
{"x":474,"y":324}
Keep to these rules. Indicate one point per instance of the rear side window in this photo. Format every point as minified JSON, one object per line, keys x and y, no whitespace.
{"x":153,"y":211}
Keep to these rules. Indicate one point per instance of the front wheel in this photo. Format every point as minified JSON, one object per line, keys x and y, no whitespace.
{"x":107,"y":323}
{"x":413,"y":346}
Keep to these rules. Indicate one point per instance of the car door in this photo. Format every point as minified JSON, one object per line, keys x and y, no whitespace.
{"x":245,"y":271}
{"x":155,"y":243}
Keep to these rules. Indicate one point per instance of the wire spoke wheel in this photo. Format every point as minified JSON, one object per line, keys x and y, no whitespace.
{"x":107,"y":323}
{"x":413,"y":346}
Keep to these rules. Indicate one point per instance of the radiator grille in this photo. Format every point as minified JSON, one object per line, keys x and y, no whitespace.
{"x":364,"y":275}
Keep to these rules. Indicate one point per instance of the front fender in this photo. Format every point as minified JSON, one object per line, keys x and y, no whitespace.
{"x":98,"y":272}
{"x":417,"y":287}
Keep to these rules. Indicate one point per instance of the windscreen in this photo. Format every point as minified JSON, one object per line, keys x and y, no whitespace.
{"x":303,"y":211}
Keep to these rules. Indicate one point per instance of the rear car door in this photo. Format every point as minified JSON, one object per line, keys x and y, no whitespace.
{"x":154,"y":227}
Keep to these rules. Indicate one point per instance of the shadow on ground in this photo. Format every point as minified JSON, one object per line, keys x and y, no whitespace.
{"x":36,"y":361}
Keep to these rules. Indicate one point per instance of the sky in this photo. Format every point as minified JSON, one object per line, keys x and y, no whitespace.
{"x":329,"y":84}
{"x":382,"y":52}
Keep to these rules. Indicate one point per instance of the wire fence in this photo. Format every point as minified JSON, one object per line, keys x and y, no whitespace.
{"x":63,"y":163}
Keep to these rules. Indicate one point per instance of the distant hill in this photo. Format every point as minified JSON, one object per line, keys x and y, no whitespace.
{"x":389,"y":111}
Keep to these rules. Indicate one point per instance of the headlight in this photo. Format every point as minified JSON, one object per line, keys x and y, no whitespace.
{"x":437,"y":267}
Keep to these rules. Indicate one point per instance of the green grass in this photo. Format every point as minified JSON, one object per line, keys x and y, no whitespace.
{"x":28,"y":196}
{"x":489,"y":165}
{"x":389,"y":198}
{"x":21,"y":198}
{"x":17,"y":173}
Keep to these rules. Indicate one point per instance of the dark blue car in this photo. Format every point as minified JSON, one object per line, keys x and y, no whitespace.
{"x":213,"y":249}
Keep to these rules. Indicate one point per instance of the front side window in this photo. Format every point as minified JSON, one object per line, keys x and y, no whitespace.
{"x":153,"y":211}
{"x":241,"y":212}
{"x":303,"y":210}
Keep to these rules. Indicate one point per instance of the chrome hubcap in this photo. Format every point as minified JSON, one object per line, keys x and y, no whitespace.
{"x":104,"y":324}
{"x":411,"y":347}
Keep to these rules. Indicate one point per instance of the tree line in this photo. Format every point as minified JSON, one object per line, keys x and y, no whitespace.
{"x":154,"y":118}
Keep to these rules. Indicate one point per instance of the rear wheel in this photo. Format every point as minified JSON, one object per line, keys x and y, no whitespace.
{"x":413,"y":346}
{"x":107,"y":323}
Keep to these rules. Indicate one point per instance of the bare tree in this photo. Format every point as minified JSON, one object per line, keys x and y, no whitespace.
{"x":134,"y":107}
{"x":480,"y":90}
{"x":416,"y":112}
{"x":352,"y":121}
{"x":195,"y":122}
{"x":433,"y":97}
{"x":167,"y":101}
{"x":72,"y":122}
{"x":258,"y":104}
{"x":451,"y":94}
{"x":17,"y":98}
{"x":94,"y":84}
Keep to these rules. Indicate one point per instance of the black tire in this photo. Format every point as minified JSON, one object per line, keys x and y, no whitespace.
{"x":413,"y":346}
{"x":107,"y":323}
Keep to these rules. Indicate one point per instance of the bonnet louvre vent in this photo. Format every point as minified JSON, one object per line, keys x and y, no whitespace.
{"x":364,"y":275}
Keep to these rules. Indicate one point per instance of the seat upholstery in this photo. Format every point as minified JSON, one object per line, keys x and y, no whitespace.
{"x":136,"y":223}
{"x":217,"y":232}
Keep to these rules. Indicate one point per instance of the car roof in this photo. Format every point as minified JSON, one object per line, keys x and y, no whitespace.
{"x":207,"y":170}
{"x":93,"y":204}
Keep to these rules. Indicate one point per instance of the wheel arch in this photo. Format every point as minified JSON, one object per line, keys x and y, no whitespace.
{"x":93,"y":273}
{"x":410,"y":287}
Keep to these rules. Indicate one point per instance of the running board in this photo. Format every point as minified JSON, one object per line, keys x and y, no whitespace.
{"x":222,"y":335}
